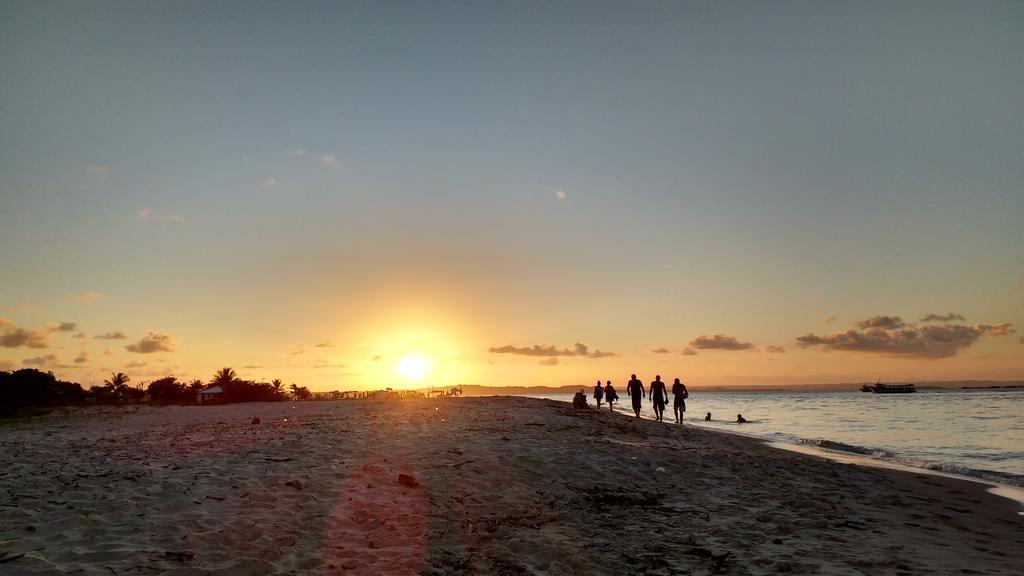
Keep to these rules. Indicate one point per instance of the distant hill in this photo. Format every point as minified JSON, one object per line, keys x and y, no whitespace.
{"x":478,"y":390}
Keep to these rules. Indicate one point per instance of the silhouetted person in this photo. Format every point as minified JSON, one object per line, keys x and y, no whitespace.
{"x":740,"y":419}
{"x":679,"y":396}
{"x":635,"y":389}
{"x":610,"y":395}
{"x":708,"y":417}
{"x":598,"y":394}
{"x":579,"y":401}
{"x":659,"y":397}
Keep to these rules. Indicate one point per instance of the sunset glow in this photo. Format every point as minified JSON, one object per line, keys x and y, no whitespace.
{"x":414,"y":366}
{"x":510,"y":195}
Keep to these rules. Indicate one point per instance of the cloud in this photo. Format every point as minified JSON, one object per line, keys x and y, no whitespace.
{"x":830,"y":319}
{"x":88,"y":297}
{"x":82,"y":357}
{"x":268,"y":183}
{"x":5,"y":323}
{"x":660,"y":350}
{"x":890,"y":336}
{"x":688,"y":351}
{"x":105,"y":353}
{"x":560,"y":194}
{"x":18,"y":337}
{"x":325,"y":365}
{"x":580,"y":350}
{"x":112,"y":335}
{"x":296,"y":352}
{"x":152,"y":342}
{"x":296,"y":152}
{"x":324,"y":345}
{"x":883,"y":322}
{"x":63,"y":327}
{"x":775,"y":349}
{"x":328,"y":160}
{"x":719,"y":342}
{"x":943,"y":317}
{"x":40,"y":360}
{"x":93,"y":168}
{"x":1021,"y":339}
{"x":135,"y":364}
{"x":146,"y":214}
{"x":375,"y":358}
{"x":552,"y":361}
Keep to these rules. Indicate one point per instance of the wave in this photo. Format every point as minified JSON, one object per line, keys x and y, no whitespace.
{"x":1007,"y":478}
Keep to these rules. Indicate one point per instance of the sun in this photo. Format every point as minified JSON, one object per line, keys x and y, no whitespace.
{"x":414,"y":366}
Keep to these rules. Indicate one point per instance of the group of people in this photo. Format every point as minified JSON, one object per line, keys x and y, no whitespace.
{"x":636,"y":391}
{"x":659,"y":397}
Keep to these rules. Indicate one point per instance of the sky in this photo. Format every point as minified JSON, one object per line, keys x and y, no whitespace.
{"x":520,"y":193}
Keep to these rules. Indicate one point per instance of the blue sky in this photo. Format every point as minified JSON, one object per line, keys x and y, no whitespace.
{"x":254,"y":178}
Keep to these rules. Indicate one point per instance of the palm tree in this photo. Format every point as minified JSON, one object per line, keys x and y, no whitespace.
{"x":295,"y":388}
{"x":223,"y":377}
{"x":118,"y":383}
{"x":278,"y":386}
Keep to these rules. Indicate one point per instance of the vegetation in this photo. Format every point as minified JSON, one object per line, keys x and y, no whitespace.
{"x":31,"y":387}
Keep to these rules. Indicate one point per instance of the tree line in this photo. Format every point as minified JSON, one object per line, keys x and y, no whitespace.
{"x":31,"y":387}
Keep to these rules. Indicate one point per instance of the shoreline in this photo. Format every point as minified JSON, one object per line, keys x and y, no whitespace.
{"x":491,"y":485}
{"x":1009,"y":483}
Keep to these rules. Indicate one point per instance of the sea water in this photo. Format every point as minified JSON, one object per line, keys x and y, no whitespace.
{"x":977,"y":433}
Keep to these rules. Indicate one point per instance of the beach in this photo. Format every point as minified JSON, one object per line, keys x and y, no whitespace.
{"x":498,"y":485}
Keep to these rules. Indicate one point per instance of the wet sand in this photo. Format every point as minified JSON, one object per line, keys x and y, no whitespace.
{"x":491,"y":486}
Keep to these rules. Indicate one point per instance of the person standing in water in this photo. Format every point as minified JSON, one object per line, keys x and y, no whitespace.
{"x":610,"y":395}
{"x":598,"y":394}
{"x":659,"y":397}
{"x":679,"y":396}
{"x":635,"y":389}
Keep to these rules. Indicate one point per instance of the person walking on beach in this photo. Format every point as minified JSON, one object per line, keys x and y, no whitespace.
{"x":635,"y":389}
{"x":659,"y":397}
{"x":679,"y":396}
{"x":598,"y":394}
{"x":610,"y":395}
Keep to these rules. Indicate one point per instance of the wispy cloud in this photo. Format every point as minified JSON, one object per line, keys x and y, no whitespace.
{"x":552,"y":361}
{"x":943,"y":318}
{"x":328,"y":160}
{"x":324,"y":345}
{"x":890,"y":336}
{"x":151,"y":343}
{"x":18,"y":337}
{"x":93,"y":168}
{"x":295,"y":152}
{"x":883,"y":322}
{"x":63,"y":327}
{"x":719,"y":342}
{"x":688,"y":351}
{"x":135,"y":364}
{"x":22,"y":308}
{"x":775,"y":349}
{"x":580,"y":350}
{"x":46,"y":360}
{"x":268,"y":183}
{"x":148,"y":214}
{"x":660,"y":350}
{"x":82,"y":357}
{"x":830,"y":319}
{"x":112,"y":335}
{"x":88,"y":297}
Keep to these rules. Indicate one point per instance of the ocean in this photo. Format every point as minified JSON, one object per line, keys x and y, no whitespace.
{"x":974,"y":433}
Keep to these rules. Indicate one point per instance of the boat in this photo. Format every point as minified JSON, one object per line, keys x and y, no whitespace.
{"x":880,"y":388}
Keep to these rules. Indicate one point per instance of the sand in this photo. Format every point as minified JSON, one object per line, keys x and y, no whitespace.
{"x":493,"y":486}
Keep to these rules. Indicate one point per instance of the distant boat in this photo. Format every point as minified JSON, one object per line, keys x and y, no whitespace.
{"x":880,"y":388}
